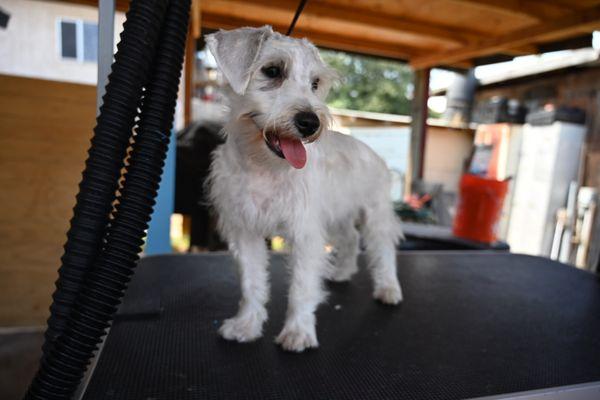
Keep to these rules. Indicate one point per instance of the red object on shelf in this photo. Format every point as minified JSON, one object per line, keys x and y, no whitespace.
{"x":479,"y":208}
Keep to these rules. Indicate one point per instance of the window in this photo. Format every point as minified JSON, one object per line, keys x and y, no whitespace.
{"x":90,"y":42}
{"x":68,"y":39}
{"x":78,"y":40}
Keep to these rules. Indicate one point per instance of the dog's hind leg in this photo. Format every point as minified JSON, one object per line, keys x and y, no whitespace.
{"x":345,"y":239}
{"x":307,"y":262}
{"x":381,"y":232}
{"x":251,"y":256}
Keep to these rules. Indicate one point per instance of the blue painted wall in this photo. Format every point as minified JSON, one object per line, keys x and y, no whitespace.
{"x":158,"y":240}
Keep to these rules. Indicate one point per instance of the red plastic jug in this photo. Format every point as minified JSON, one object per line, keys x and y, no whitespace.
{"x":479,"y":208}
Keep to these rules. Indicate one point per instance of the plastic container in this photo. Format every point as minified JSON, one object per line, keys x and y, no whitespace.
{"x":479,"y":208}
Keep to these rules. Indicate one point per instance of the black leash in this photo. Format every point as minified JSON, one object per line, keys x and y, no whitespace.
{"x":296,"y":16}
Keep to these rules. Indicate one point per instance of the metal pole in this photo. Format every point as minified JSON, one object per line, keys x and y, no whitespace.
{"x":106,"y":37}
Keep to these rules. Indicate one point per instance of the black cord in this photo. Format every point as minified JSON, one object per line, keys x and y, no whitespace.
{"x":296,"y":16}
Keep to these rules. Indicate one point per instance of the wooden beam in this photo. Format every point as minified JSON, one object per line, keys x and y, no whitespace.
{"x":535,"y":9}
{"x":353,"y":45}
{"x":418,"y":131}
{"x":343,"y":21}
{"x":522,"y":50}
{"x":560,"y":28}
{"x":337,"y":42}
{"x":378,"y":19}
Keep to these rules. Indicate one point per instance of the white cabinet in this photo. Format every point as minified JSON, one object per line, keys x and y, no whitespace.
{"x":548,"y":162}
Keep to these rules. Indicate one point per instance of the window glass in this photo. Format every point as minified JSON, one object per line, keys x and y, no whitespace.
{"x":90,"y":42}
{"x":68,"y":36}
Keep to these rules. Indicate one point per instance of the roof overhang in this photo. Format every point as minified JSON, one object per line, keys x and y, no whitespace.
{"x":428,"y":33}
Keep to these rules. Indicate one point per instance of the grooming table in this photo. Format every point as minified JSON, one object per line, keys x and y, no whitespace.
{"x":435,"y":237}
{"x":472,"y":324}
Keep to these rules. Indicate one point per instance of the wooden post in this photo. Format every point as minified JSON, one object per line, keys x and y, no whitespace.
{"x":418,"y":132}
{"x":194,"y":32}
{"x":196,"y":19}
{"x":190,"y":50}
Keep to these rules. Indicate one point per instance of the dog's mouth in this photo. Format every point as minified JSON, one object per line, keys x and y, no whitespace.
{"x":289,"y":148}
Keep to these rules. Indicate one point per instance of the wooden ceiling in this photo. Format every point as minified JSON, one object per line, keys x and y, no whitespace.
{"x":426,"y":33}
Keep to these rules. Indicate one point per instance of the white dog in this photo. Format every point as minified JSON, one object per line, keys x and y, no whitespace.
{"x":281,"y":171}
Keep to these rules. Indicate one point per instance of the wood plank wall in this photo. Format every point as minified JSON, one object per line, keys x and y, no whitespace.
{"x":45,"y":127}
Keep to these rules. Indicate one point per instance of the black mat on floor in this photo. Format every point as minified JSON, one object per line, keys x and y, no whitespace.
{"x":472,"y":324}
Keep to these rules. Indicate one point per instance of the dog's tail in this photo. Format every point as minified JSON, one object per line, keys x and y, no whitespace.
{"x":382,"y":232}
{"x":383,"y":221}
{"x":397,"y":228}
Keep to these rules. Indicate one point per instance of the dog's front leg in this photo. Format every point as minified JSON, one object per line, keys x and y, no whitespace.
{"x":307,"y":263}
{"x":250,"y":253}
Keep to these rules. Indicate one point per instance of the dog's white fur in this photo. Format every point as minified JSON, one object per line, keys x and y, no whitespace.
{"x":258,"y":194}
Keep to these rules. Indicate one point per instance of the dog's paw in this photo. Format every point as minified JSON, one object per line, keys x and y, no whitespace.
{"x":297,"y":340}
{"x":391,"y":295}
{"x":241,"y":329}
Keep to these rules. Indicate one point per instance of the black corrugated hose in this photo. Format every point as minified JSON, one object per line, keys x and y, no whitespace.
{"x":130,"y":73}
{"x":88,"y":313}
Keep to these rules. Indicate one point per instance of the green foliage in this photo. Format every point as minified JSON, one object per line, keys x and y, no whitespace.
{"x":370,"y":84}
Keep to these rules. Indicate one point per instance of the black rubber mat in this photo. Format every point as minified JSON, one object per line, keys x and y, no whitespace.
{"x":472,"y":324}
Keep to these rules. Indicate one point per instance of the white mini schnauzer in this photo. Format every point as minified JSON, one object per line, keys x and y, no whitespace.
{"x":281,"y":171}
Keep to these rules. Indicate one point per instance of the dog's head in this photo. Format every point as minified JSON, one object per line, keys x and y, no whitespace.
{"x":279,"y":84}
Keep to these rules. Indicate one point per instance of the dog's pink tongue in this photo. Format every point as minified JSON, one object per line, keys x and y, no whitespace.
{"x":293,"y":151}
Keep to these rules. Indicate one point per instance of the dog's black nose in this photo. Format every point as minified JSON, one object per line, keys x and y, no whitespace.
{"x":307,"y":123}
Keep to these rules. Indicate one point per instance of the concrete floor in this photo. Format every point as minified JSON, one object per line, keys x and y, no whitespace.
{"x":20,"y":352}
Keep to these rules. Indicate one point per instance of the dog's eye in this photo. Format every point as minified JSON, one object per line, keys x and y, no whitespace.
{"x":272,"y":72}
{"x":315,"y":84}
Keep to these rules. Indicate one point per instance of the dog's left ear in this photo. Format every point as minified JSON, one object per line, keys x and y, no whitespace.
{"x":236,"y":51}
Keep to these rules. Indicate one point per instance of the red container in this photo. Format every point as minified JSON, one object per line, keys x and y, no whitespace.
{"x":479,"y":208}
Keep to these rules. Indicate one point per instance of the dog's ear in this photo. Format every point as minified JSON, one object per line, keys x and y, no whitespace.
{"x":236,"y":51}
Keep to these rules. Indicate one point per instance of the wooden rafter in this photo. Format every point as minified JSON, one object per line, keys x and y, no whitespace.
{"x":330,"y":41}
{"x":522,"y":50}
{"x":535,"y":9}
{"x":348,"y":19}
{"x":359,"y":46}
{"x":397,"y":52}
{"x":570,"y":25}
{"x":376,"y":18}
{"x":230,"y":14}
